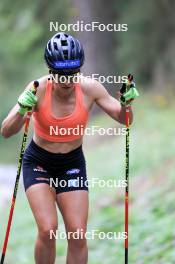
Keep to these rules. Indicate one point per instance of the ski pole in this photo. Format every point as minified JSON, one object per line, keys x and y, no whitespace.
{"x":23,"y":145}
{"x":130,"y":78}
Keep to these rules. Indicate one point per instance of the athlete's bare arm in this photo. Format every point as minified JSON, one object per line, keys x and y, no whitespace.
{"x":14,"y":121}
{"x":108,"y":103}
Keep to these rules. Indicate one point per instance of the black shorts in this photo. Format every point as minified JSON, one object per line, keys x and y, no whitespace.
{"x":64,"y":172}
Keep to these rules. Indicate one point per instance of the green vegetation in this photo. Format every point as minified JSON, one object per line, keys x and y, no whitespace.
{"x":152,"y":207}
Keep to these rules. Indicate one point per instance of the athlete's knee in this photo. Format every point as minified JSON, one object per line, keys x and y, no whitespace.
{"x":77,"y":244}
{"x":77,"y":237}
{"x":48,"y":231}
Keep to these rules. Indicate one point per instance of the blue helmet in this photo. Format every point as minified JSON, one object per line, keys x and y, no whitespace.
{"x":64,"y":54}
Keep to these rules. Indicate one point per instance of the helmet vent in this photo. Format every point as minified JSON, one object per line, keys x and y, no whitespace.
{"x":65,"y":52}
{"x":72,"y":44}
{"x":63,"y":42}
{"x":55,"y":46}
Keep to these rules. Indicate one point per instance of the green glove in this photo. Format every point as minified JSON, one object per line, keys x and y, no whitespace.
{"x":128,"y":93}
{"x":26,"y":101}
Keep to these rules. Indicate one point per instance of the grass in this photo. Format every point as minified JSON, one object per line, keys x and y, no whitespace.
{"x":152,"y":207}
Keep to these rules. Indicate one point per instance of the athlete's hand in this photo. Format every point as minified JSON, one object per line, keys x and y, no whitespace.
{"x":128,"y":93}
{"x":27,"y":100}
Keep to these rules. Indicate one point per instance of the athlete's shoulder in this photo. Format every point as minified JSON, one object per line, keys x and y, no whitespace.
{"x":91,"y":87}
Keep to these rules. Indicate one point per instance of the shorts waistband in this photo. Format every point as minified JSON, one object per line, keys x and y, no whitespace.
{"x":47,"y":153}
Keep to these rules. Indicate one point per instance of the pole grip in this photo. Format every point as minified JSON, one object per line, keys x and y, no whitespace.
{"x":34,"y":91}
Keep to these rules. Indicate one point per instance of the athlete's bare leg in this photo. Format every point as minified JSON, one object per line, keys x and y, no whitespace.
{"x":42,"y":202}
{"x":74,"y":208}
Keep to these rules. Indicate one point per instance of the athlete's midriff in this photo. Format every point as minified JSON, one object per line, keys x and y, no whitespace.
{"x":68,"y":130}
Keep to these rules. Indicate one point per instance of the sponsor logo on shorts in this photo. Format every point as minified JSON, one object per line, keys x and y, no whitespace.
{"x":72,"y":171}
{"x":39,"y":169}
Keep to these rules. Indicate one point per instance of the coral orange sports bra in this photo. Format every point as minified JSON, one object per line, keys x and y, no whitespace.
{"x":61,"y":129}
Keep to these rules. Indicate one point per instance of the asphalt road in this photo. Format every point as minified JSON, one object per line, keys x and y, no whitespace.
{"x":7,"y":182}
